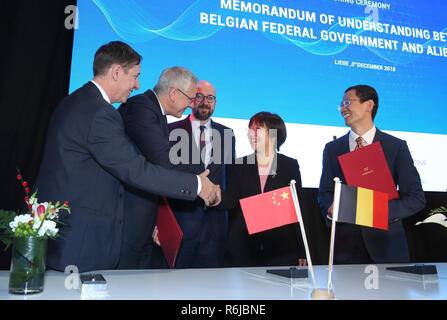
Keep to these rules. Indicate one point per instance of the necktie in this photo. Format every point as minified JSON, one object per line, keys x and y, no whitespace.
{"x":359,"y":141}
{"x":202,"y":142}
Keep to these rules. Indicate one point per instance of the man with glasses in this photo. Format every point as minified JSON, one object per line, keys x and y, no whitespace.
{"x":358,"y":244}
{"x":88,"y":160}
{"x":145,"y":123}
{"x":204,"y":228}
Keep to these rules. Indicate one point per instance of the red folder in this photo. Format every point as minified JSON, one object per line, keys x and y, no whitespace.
{"x":367,"y":167}
{"x":169,"y":233}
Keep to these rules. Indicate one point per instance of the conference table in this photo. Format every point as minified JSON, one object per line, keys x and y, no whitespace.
{"x":350,"y":282}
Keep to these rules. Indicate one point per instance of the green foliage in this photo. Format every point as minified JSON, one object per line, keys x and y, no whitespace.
{"x":28,"y":261}
{"x":441,"y":209}
{"x":6,"y":235}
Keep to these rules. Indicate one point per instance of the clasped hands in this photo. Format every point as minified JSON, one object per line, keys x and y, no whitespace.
{"x":210,"y":193}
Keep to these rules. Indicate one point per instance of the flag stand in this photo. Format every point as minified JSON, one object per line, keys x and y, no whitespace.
{"x":303,"y":231}
{"x":328,"y":294}
{"x":322,"y":294}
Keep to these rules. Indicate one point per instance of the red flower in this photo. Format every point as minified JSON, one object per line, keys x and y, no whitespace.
{"x":41,"y":211}
{"x":19,"y":177}
{"x":26,"y":199}
{"x":66,"y":203}
{"x":24,"y":183}
{"x":27,"y":190}
{"x":30,"y":206}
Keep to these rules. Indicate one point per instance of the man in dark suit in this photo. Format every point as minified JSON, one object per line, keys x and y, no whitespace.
{"x":87,"y":159}
{"x":203,"y":143}
{"x":144,"y":118}
{"x":358,"y":244}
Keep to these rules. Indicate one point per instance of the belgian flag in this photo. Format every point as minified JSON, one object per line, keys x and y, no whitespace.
{"x":363,"y":207}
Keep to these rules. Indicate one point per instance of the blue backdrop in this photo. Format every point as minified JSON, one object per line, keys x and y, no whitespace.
{"x":292,"y":57}
{"x":255,"y":70}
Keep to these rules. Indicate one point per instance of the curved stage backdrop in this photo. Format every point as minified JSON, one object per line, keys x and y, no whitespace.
{"x":294,"y":58}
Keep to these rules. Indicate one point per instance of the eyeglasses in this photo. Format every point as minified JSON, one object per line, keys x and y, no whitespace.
{"x":346,"y":103}
{"x":210,"y":98}
{"x":191,"y":100}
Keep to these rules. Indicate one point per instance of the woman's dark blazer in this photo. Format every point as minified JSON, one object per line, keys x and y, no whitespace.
{"x":279,"y":246}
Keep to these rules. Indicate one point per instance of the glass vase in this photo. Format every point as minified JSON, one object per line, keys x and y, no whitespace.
{"x":27,"y":265}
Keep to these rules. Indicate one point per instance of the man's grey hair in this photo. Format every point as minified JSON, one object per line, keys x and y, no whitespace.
{"x":177,"y":77}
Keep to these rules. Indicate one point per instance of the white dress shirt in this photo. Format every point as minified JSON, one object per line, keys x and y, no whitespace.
{"x":103,"y":93}
{"x":195,"y":127}
{"x":368,"y":138}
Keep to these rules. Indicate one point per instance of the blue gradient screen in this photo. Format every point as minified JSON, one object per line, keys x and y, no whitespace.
{"x":294,"y":58}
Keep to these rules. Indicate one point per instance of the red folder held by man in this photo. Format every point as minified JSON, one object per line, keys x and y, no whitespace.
{"x":169,"y":233}
{"x":367,"y":167}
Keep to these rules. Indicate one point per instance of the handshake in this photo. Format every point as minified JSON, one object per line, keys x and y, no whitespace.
{"x":210,"y":193}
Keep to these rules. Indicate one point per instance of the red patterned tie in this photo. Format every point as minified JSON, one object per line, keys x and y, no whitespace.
{"x":359,"y":141}
{"x":202,"y":138}
{"x":202,"y":144}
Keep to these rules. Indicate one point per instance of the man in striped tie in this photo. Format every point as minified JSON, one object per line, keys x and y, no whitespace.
{"x":204,"y":228}
{"x":145,"y":123}
{"x":359,"y":244}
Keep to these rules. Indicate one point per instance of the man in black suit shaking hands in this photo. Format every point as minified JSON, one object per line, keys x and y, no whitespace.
{"x":204,"y":228}
{"x":87,"y":159}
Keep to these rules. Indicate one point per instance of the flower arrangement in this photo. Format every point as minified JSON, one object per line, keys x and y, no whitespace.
{"x":41,"y":220}
{"x":438,"y":216}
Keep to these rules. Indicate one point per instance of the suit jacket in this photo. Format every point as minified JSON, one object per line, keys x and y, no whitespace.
{"x":147,"y":128}
{"x":382,"y":246}
{"x":279,"y":246}
{"x":87,"y":159}
{"x":191,"y":215}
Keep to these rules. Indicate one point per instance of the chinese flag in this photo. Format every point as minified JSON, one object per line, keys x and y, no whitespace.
{"x":268,"y":210}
